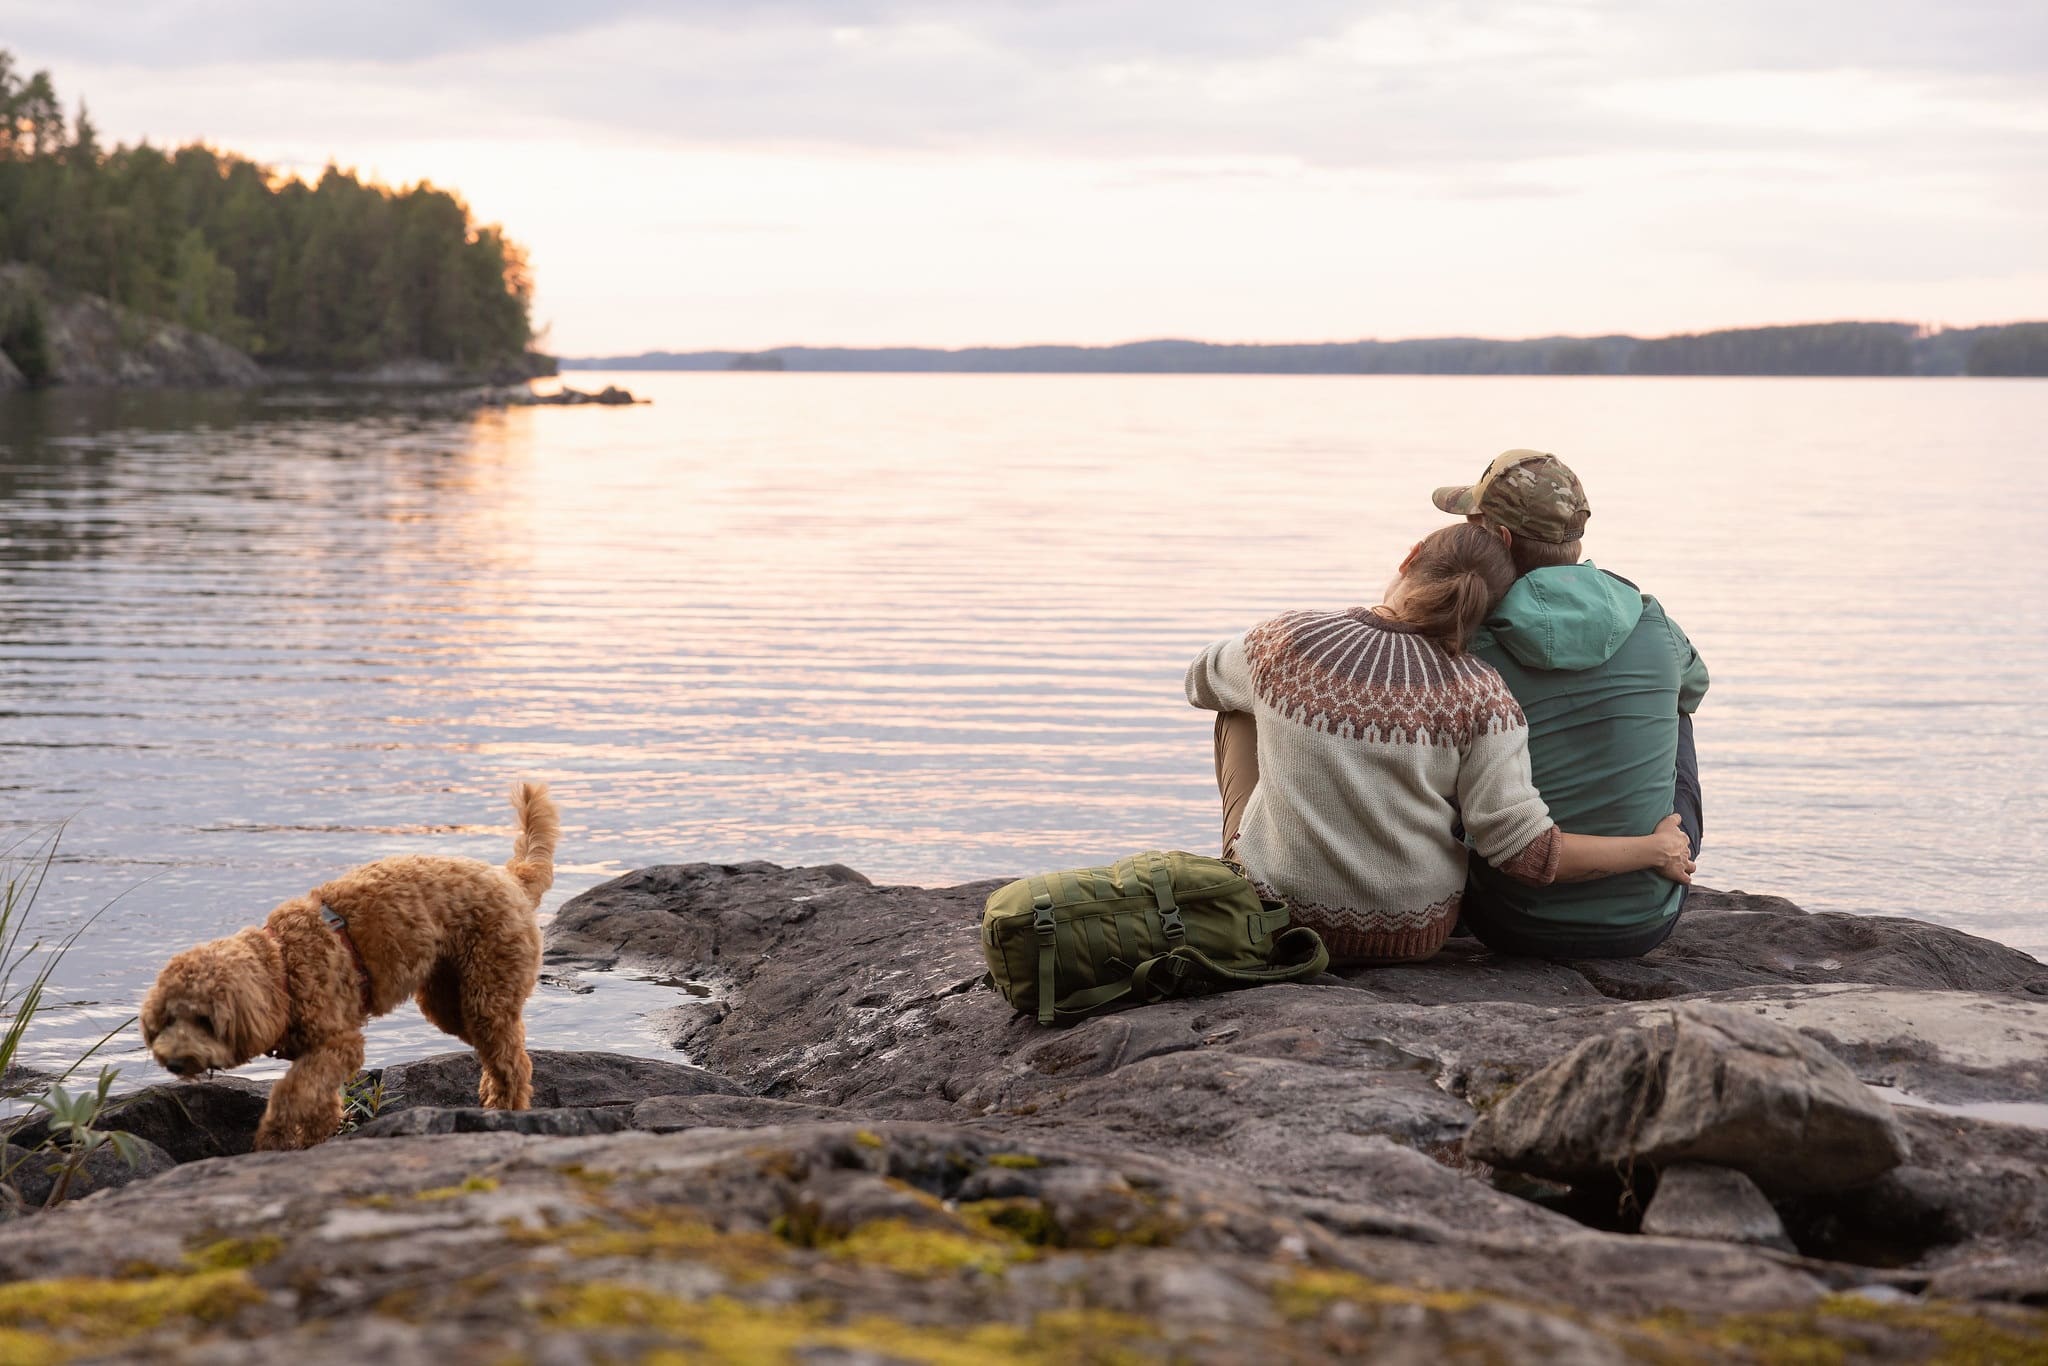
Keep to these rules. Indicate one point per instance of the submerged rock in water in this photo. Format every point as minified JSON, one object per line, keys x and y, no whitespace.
{"x":515,"y":396}
{"x":1717,"y":1085}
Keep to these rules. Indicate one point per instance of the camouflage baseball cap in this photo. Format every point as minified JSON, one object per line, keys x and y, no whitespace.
{"x":1528,"y":492}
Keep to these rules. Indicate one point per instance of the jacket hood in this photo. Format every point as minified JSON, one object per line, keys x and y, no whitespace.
{"x":1572,"y":616}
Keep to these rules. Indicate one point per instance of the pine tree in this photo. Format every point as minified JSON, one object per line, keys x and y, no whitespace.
{"x":337,"y":274}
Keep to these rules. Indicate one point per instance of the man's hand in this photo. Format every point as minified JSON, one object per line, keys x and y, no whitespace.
{"x":1673,"y":851}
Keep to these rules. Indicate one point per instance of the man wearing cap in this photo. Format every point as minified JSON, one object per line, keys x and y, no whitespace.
{"x":1609,"y":684}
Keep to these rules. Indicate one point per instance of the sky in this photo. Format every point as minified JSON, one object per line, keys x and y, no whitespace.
{"x":706,"y":174}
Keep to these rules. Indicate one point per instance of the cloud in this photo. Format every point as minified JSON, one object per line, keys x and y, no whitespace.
{"x":159,"y":34}
{"x":1967,"y":36}
{"x":1462,"y":84}
{"x":1541,"y":155}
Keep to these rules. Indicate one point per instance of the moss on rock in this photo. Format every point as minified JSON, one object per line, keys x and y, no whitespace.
{"x":1843,"y":1330}
{"x":52,"y":1320}
{"x":1305,"y":1294}
{"x":722,"y":1330}
{"x":1022,"y":1218}
{"x":919,"y":1250}
{"x":234,"y":1254}
{"x":662,"y":1234}
{"x":474,"y":1185}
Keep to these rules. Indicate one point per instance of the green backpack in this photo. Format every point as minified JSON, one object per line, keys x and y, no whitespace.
{"x":1074,"y":944}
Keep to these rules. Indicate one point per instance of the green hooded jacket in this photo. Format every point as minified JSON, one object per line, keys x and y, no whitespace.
{"x":1602,"y":675}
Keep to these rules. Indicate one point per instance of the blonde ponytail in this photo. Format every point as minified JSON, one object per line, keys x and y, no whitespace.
{"x":1452,"y":581}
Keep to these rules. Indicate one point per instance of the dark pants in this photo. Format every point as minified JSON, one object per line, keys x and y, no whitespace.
{"x":1686,"y":801}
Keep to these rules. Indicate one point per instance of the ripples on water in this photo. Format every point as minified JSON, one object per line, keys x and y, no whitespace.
{"x":934,"y":627}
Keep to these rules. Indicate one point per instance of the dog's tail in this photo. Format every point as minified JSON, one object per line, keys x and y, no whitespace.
{"x":533,"y":850}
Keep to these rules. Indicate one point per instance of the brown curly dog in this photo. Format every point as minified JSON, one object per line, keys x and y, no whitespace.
{"x":457,"y":935}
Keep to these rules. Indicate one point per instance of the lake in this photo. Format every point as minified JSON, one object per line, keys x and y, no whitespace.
{"x":934,"y":626}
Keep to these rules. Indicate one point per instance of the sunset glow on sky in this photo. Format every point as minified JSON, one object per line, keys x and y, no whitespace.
{"x":883,"y":172}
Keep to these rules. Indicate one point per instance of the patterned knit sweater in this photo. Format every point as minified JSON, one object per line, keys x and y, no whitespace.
{"x":1373,"y":743}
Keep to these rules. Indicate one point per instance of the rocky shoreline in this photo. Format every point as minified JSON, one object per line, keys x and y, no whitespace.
{"x":87,"y":342}
{"x":873,"y":1159}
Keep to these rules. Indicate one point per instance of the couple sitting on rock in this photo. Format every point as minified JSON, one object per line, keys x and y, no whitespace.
{"x":1503,"y":690}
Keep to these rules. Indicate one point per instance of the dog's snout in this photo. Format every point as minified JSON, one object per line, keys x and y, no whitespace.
{"x":184,"y":1064}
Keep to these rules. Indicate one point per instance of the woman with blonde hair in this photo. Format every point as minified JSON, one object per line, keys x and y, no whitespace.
{"x":1355,"y":747}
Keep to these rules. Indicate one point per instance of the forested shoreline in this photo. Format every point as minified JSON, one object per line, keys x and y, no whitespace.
{"x":339,"y":275}
{"x":1849,"y":348}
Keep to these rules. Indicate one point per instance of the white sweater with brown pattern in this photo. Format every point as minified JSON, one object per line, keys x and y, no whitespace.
{"x":1374,"y":742}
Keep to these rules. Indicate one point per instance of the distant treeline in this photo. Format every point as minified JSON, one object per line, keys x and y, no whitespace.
{"x":332,"y":276}
{"x":1815,"y":349}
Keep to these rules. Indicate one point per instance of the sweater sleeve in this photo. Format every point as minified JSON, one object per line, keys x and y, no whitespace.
{"x":1504,"y":813}
{"x":1220,"y":679}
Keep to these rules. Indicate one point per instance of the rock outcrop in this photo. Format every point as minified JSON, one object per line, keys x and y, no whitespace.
{"x":1715,"y":1085}
{"x":92,"y":343}
{"x":1716,"y":1203}
{"x":874,"y":1159}
{"x":1360,"y":1089}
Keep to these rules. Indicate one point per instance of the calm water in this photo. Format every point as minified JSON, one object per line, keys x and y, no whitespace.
{"x":934,"y":627}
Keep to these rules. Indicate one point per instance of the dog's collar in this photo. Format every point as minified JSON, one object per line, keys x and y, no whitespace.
{"x":332,"y":919}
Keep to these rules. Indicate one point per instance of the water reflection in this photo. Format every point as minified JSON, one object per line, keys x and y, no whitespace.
{"x":933,"y":627}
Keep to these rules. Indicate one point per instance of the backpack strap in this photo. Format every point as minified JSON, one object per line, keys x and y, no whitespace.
{"x":1298,"y":953}
{"x":1162,"y":894}
{"x":1082,"y":1004}
{"x":1048,"y":945}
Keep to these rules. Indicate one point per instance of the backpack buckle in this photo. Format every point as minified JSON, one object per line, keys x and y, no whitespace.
{"x":1041,"y":916}
{"x":1169,"y":918}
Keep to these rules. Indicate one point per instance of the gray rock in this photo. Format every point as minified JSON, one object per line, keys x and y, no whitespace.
{"x":1273,"y":1174}
{"x":98,"y":344}
{"x":1716,"y":1085}
{"x":565,"y":397}
{"x":702,"y":914}
{"x":1940,"y":1046}
{"x":670,"y":1114}
{"x":190,"y":1120}
{"x":1719,"y":1204}
{"x":1970,"y":1189}
{"x":32,"y":1177}
{"x":561,"y":1080}
{"x":18,"y":1081}
{"x":1727,"y":940}
{"x":929,"y":1232}
{"x":428,"y":1119}
{"x":1352,"y":1093}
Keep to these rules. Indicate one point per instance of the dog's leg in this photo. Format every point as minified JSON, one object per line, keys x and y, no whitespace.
{"x":498,"y":974}
{"x":305,"y":1104}
{"x":506,"y":1080}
